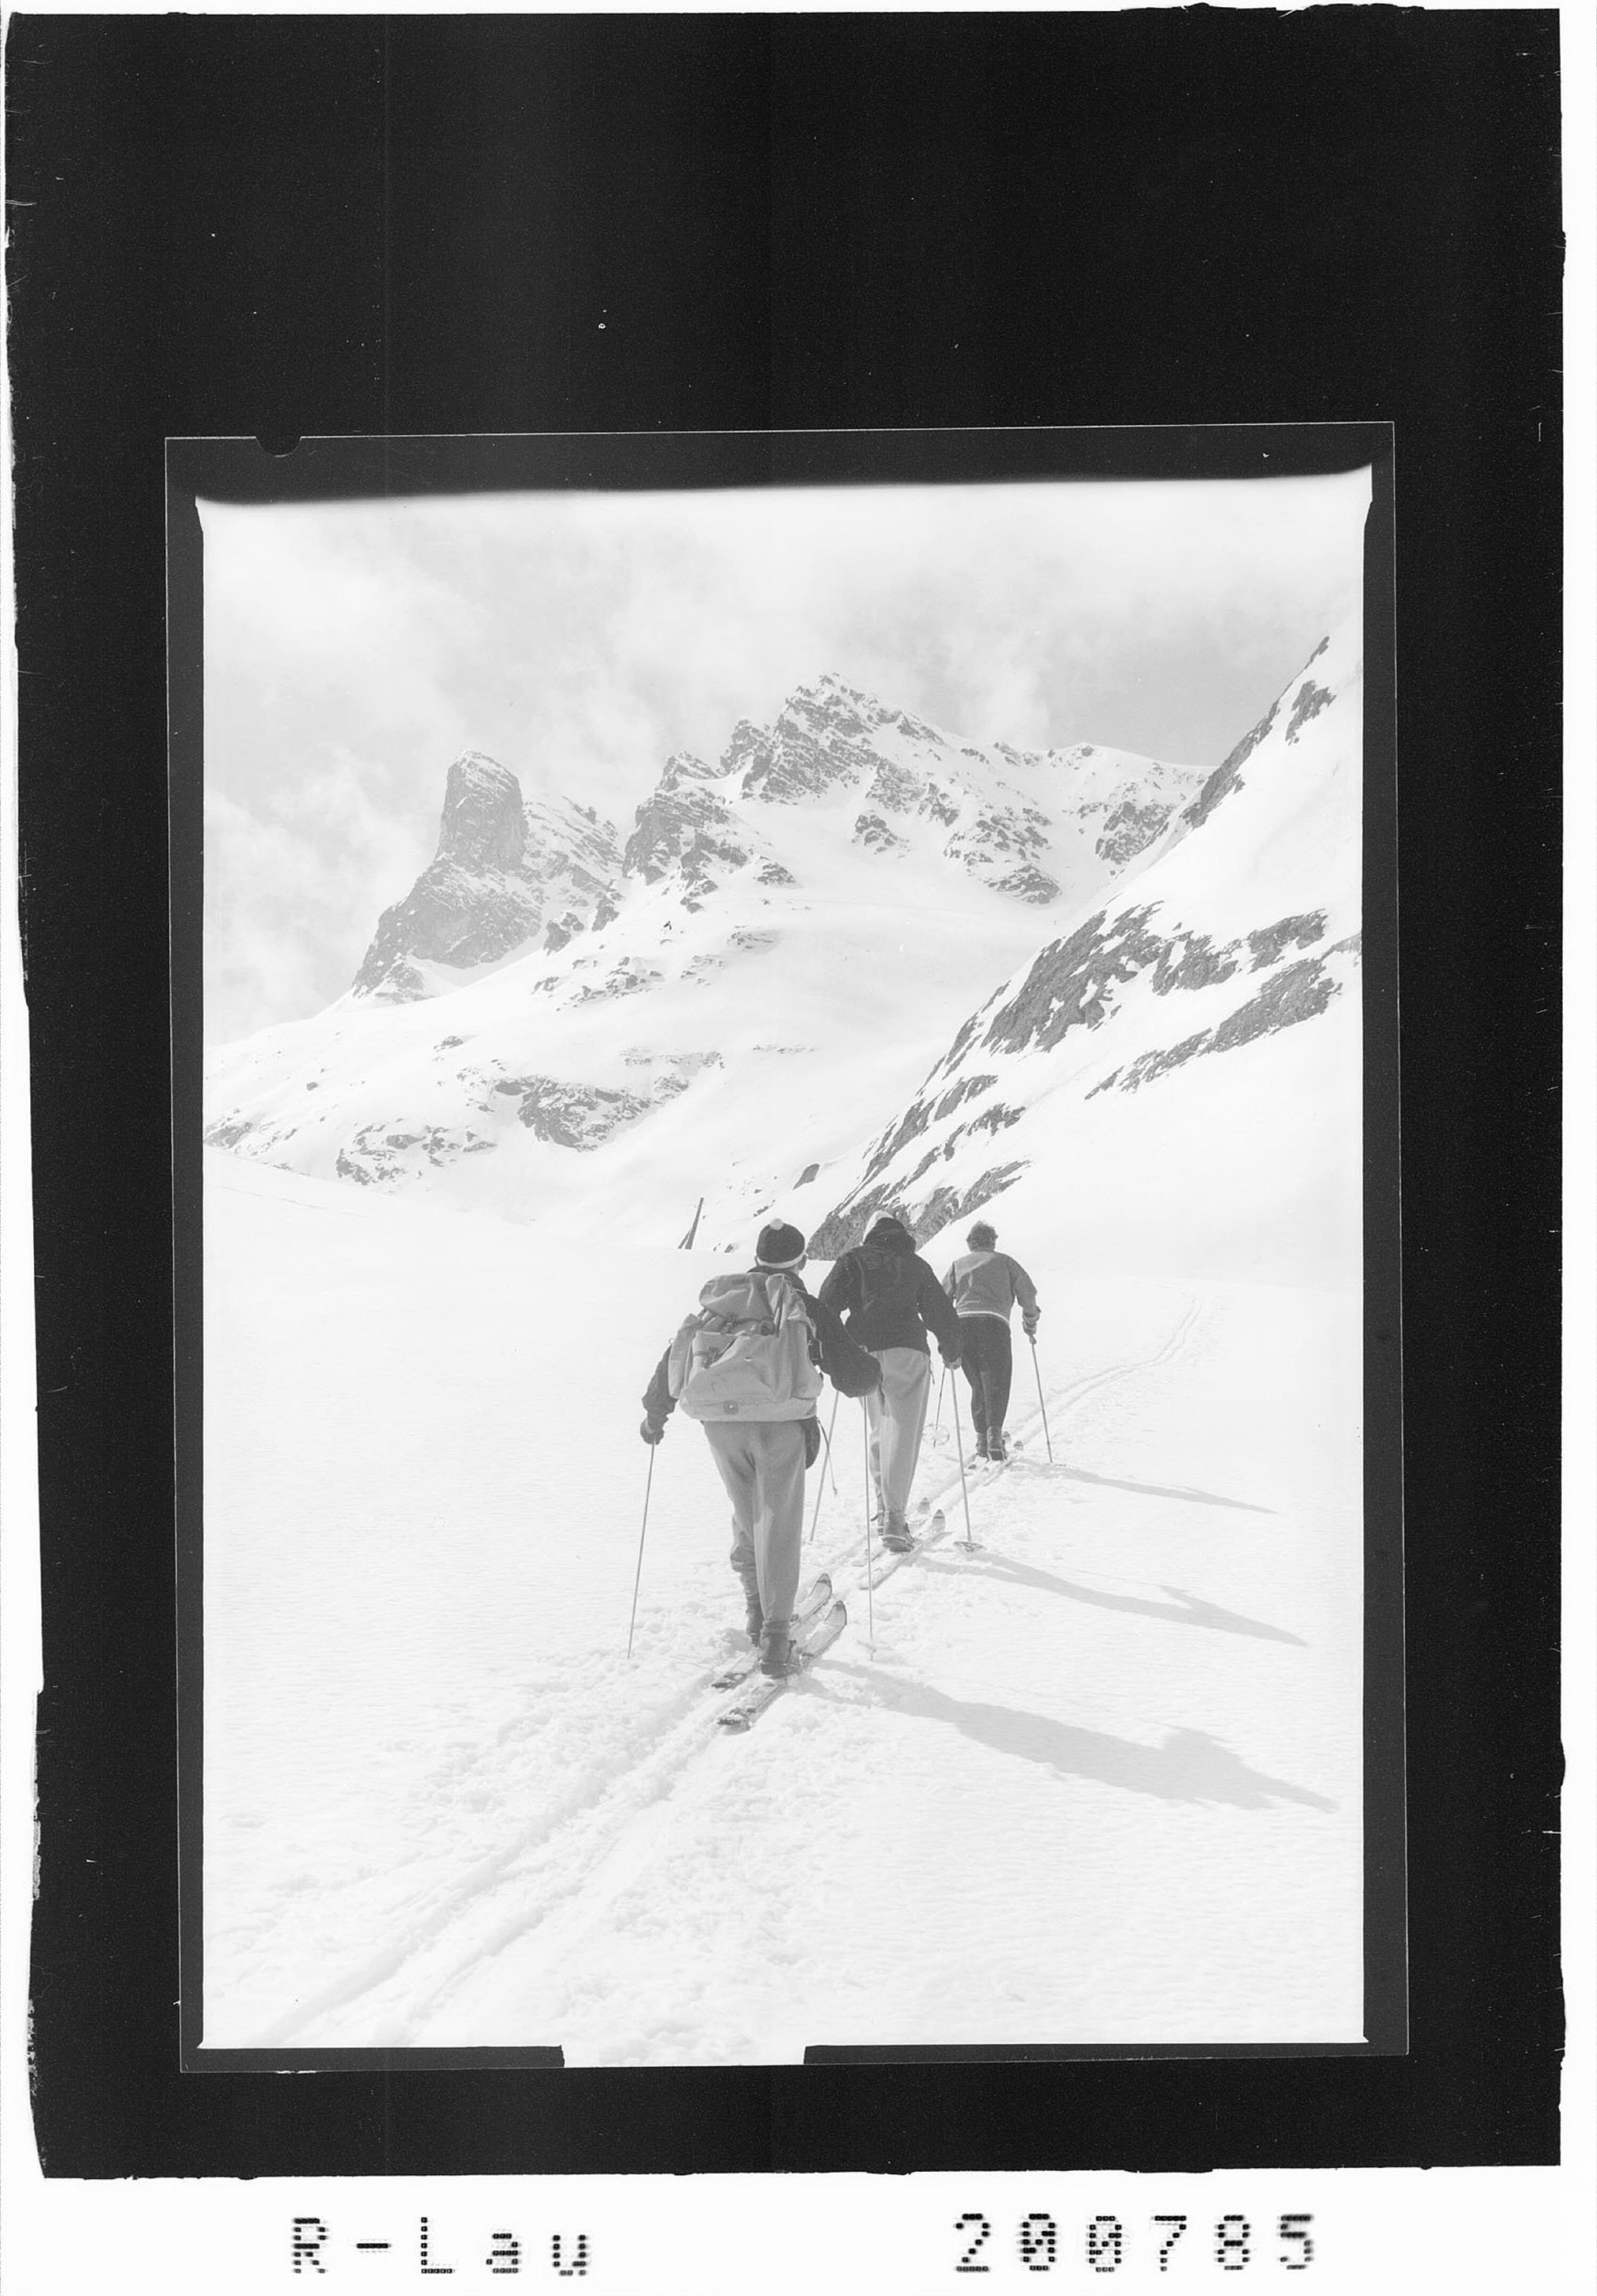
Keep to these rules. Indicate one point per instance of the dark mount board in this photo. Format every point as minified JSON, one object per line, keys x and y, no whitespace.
{"x":296,"y":229}
{"x":341,"y":469}
{"x":357,"y":469}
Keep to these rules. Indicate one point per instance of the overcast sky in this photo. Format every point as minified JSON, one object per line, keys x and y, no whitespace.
{"x":351,"y":650}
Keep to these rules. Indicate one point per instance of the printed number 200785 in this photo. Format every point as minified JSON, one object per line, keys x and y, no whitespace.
{"x":1107,"y":2243}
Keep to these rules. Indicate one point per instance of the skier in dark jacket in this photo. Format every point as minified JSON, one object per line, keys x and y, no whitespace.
{"x":762,"y":1460}
{"x":889,"y":1297}
{"x":984,"y":1285}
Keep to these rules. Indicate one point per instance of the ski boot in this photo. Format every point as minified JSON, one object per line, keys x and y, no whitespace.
{"x":777,"y":1657}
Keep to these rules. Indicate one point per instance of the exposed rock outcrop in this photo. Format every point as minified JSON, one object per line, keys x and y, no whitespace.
{"x":686,"y":830}
{"x":502,"y":868}
{"x":844,"y":1228}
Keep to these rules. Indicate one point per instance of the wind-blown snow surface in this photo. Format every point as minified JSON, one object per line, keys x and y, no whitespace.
{"x":1097,"y":1781}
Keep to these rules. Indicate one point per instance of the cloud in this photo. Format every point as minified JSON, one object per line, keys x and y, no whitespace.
{"x":294,"y":883}
{"x":353,"y":650}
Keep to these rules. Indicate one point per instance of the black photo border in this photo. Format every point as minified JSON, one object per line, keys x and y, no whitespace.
{"x":410,"y":228}
{"x":365,"y":469}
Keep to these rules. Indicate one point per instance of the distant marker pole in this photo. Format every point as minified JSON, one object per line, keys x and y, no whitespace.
{"x":638,"y":1579}
{"x":821,"y":1480}
{"x":1041,"y":1406}
{"x":964,"y":1491}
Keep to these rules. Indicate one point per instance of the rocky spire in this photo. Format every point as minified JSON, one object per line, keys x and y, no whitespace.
{"x":482,"y":825}
{"x":501,"y":868}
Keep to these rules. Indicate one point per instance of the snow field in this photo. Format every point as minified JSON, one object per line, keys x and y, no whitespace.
{"x":812,"y":1053}
{"x":1096,"y":1781}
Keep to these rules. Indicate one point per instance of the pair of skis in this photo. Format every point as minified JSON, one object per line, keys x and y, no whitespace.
{"x":929,"y":1530}
{"x":811,"y":1607}
{"x":988,"y":1470}
{"x":816,"y":1627}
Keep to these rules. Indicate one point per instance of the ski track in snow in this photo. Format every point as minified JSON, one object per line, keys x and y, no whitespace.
{"x":559,"y":1879}
{"x":441,"y":1809}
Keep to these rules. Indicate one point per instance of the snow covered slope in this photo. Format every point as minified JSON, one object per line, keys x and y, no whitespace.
{"x":1096,"y":1780}
{"x":1152,"y":1066}
{"x":773,"y":960}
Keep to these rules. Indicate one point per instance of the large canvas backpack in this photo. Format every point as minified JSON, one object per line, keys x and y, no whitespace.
{"x":745,"y":1354}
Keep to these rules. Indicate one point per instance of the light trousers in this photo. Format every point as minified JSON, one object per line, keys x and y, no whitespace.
{"x":762,"y":1463}
{"x":897,"y":1414}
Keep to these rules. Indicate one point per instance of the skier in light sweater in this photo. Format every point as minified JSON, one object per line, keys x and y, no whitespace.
{"x":984,"y":1285}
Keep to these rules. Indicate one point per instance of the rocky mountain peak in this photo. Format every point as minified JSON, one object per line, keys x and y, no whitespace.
{"x":819,"y":742}
{"x":832,"y":703}
{"x":851,"y":723}
{"x":686,"y":828}
{"x":682,"y":766}
{"x":483,"y":826}
{"x":506,"y":874}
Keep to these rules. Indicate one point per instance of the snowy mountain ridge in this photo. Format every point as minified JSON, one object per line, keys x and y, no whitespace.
{"x":509,"y":874}
{"x":1244,"y":923}
{"x":1039,"y":826}
{"x":890,"y":865}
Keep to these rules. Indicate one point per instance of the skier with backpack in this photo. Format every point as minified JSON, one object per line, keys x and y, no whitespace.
{"x":748,"y":1368}
{"x":891,"y":1296}
{"x":983,"y":1285}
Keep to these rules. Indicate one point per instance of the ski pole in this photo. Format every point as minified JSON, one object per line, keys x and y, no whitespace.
{"x":937,"y":1421}
{"x":870,"y":1603}
{"x":964,"y":1491}
{"x":638,"y":1580}
{"x":821,"y":1480}
{"x":1042,"y":1407}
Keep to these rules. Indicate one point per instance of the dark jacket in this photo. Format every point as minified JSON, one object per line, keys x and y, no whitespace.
{"x":889,"y":1295}
{"x":844,"y":1362}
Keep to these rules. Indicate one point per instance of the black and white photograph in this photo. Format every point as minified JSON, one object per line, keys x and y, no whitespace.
{"x":783,"y":1268}
{"x":780,"y":1462}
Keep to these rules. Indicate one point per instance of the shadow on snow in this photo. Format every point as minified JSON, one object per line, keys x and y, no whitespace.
{"x":1058,"y":1468}
{"x":1190,"y":1765}
{"x":1184,"y":1611}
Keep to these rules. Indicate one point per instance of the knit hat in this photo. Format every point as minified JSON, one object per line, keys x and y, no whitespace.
{"x":779,"y":1246}
{"x":982,"y":1237}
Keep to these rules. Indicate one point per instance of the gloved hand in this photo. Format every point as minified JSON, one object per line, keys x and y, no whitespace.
{"x":950,"y":1363}
{"x":652,"y":1430}
{"x":1029,"y":1323}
